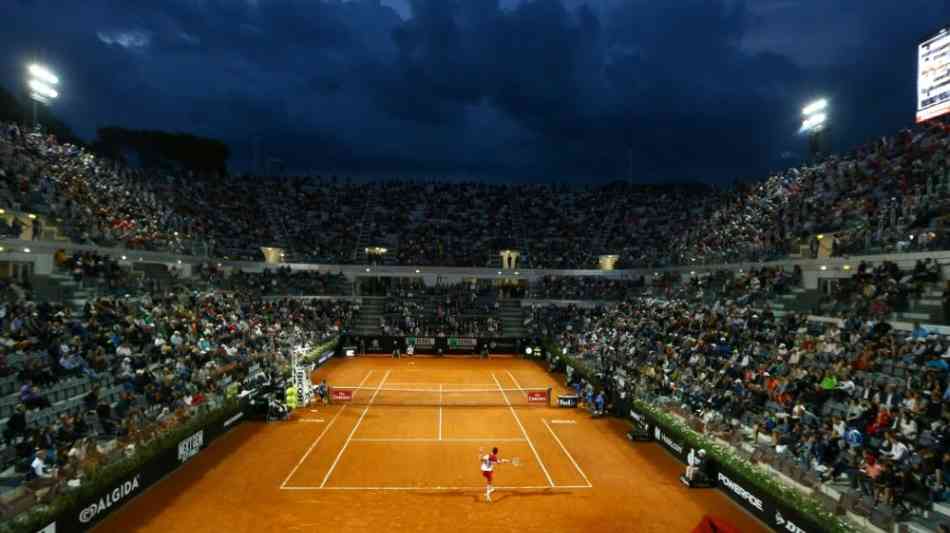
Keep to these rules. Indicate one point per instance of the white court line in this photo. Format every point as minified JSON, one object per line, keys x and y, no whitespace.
{"x":436,"y":390}
{"x":425,"y":383}
{"x":474,"y":489}
{"x":358,"y":422}
{"x":440,"y":411}
{"x":515,"y":381}
{"x":410,"y":439}
{"x":569,"y":456}
{"x":523,"y":432}
{"x":322,"y":433}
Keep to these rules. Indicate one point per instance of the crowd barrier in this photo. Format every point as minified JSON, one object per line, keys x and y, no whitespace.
{"x":84,"y":510}
{"x":774,"y":512}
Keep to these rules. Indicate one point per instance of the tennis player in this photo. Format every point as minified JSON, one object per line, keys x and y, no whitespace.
{"x":488,"y":462}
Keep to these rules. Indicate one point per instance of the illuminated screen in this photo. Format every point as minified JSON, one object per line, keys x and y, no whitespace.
{"x":933,"y":76}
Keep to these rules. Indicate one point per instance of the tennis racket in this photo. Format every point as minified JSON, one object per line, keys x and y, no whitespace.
{"x":515,"y":461}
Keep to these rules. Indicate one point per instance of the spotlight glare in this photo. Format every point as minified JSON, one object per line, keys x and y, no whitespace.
{"x":814,"y":107}
{"x":43,"y":74}
{"x":43,"y":89}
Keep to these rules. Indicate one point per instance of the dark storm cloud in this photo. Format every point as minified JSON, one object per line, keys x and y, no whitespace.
{"x":534,"y":89}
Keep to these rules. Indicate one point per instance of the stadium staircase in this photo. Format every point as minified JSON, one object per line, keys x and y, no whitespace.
{"x":796,"y":300}
{"x":368,"y":319}
{"x":61,"y":287}
{"x":156,"y":271}
{"x":370,"y":235}
{"x":511,"y":315}
{"x":928,"y":308}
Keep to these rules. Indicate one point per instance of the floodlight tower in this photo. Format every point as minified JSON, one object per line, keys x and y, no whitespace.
{"x":815,"y":124}
{"x":42,"y":82}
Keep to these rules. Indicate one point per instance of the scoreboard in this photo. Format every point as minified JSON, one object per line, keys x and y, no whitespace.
{"x":933,"y":76}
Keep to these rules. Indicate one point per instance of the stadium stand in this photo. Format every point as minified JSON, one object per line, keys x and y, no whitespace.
{"x":890,"y":196}
{"x":837,"y":379}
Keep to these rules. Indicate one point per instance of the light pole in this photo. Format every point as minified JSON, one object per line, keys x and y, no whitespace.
{"x":41,"y":82}
{"x":814,"y":124}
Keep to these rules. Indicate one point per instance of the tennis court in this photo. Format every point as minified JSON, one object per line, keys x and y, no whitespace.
{"x":401,"y":454}
{"x":428,"y":435}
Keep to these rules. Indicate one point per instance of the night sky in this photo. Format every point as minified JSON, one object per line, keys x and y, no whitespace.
{"x":504,"y":90}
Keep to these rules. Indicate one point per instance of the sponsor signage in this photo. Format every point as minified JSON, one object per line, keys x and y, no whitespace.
{"x":325,"y":357}
{"x":668,"y":442}
{"x":567,"y":400}
{"x":82,"y":515}
{"x":537,"y":396}
{"x":421,"y":342}
{"x":341,"y":395}
{"x":462,"y":342}
{"x":383,"y":345}
{"x":190,"y":447}
{"x":640,"y":421}
{"x":738,"y":491}
{"x":777,"y":514}
{"x":785,"y":524}
{"x":233,"y":419}
{"x":124,"y":490}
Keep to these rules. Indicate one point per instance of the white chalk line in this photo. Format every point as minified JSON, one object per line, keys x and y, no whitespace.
{"x":523,"y":432}
{"x":358,"y":422}
{"x":474,"y":489}
{"x":567,"y":453}
{"x":411,"y":439}
{"x":318,"y":439}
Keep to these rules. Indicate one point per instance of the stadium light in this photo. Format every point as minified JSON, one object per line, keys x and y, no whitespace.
{"x":814,"y":122}
{"x":814,"y":107}
{"x":815,"y":116}
{"x":43,"y":89}
{"x":41,"y":81}
{"x":43,"y":74}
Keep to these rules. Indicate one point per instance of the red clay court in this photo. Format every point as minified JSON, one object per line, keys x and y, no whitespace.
{"x":402,"y":455}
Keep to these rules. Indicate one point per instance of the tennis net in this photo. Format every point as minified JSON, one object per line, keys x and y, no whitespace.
{"x":444,"y":396}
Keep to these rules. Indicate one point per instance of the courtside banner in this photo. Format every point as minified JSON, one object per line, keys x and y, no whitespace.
{"x":383,"y":345}
{"x":775,"y":513}
{"x":567,"y":400}
{"x":341,"y":395}
{"x":89,"y":510}
{"x":326,"y":356}
{"x":421,"y":343}
{"x":536,"y":396}
{"x":640,"y":421}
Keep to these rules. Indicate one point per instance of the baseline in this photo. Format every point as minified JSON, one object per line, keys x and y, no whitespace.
{"x":465,"y":488}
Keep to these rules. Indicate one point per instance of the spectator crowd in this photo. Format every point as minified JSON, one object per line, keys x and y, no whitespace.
{"x":851,"y":401}
{"x":126,"y":369}
{"x":888,"y":195}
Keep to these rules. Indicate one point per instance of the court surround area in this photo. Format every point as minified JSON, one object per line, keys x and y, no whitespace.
{"x":398,"y":451}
